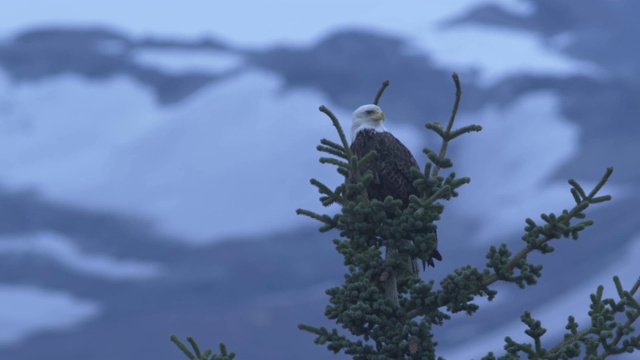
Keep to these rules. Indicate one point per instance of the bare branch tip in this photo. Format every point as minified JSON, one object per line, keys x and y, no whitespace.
{"x":328,"y":112}
{"x":607,"y":174}
{"x":384,"y":85}
{"x":456,"y":80}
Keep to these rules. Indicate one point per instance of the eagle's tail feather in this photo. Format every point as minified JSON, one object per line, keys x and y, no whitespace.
{"x":435,"y":254}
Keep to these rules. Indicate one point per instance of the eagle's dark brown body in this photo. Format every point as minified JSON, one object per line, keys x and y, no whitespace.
{"x":391,"y":169}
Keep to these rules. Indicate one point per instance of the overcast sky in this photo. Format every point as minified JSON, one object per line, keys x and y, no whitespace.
{"x":243,"y":22}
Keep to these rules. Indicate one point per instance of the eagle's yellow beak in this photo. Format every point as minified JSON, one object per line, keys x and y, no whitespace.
{"x":378,"y":116}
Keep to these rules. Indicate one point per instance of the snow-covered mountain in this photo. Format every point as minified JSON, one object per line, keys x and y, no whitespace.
{"x":149,"y":181}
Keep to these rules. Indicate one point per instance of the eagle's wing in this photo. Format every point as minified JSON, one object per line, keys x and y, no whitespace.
{"x":392,"y":173}
{"x":391,"y":167}
{"x":396,"y":180}
{"x":394,"y":168}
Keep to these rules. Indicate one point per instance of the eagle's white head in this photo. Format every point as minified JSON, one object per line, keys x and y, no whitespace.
{"x":367,"y":117}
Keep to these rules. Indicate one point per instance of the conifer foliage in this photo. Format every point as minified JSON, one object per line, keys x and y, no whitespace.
{"x":396,"y":323}
{"x":196,"y":354}
{"x":384,"y":312}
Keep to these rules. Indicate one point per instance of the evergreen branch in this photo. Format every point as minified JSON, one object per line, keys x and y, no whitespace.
{"x":328,"y":221}
{"x":343,"y":172}
{"x":182,"y":347}
{"x":330,"y":150}
{"x":635,"y":287}
{"x":332,"y":144}
{"x":463,"y":130}
{"x":309,"y":213}
{"x":441,"y":193}
{"x":195,"y":347}
{"x":359,"y":179}
{"x":600,"y":335}
{"x":503,"y":264}
{"x":322,"y":188}
{"x":538,"y":244}
{"x":330,"y":196}
{"x":365,"y":159}
{"x":206,"y":355}
{"x":336,"y":124}
{"x":454,"y":111}
{"x":574,"y":184}
{"x":384,"y":85}
{"x":600,"y":199}
{"x":578,"y":336}
{"x":454,"y":183}
{"x":576,"y":195}
{"x":601,"y":183}
{"x":311,"y":329}
{"x":437,"y":128}
{"x":627,"y":297}
{"x":224,"y":355}
{"x":440,"y":160}
{"x":334,"y":161}
{"x":346,"y":169}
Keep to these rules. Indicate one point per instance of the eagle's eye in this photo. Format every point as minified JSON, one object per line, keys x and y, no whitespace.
{"x":370,"y":112}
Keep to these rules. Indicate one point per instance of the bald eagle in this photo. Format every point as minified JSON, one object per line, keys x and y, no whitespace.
{"x":392,"y":165}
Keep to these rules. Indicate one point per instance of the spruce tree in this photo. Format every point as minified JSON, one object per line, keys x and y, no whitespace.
{"x":384,"y":312}
{"x":380,"y":327}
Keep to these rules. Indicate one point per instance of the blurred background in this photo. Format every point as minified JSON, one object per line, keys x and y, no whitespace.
{"x":152,"y":156}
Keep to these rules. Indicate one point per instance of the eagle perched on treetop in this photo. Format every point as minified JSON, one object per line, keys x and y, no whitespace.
{"x":391,"y":167}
